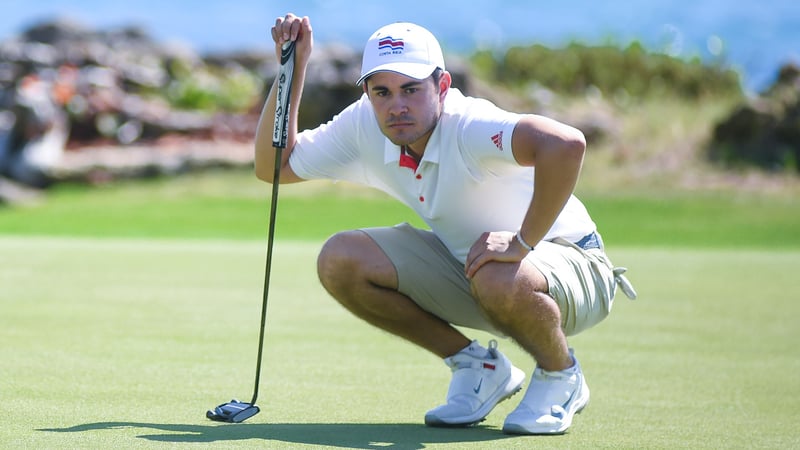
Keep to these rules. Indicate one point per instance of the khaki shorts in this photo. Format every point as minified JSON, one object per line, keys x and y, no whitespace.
{"x":581,"y":281}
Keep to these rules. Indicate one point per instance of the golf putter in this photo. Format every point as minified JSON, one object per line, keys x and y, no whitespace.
{"x":235,"y":411}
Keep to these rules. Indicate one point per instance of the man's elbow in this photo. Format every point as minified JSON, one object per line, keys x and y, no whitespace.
{"x":575,"y":144}
{"x":263,"y":175}
{"x":263,"y":171}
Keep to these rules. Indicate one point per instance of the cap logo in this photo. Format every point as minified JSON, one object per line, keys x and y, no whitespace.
{"x":390,"y":46}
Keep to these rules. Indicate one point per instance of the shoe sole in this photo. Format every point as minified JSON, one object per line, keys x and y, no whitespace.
{"x":512,"y":386}
{"x":579,"y":405}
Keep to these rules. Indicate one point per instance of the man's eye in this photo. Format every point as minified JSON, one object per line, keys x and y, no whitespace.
{"x":411,"y":90}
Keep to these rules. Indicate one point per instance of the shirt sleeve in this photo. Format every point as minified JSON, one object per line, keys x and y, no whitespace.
{"x":485,"y":139}
{"x":331,"y":150}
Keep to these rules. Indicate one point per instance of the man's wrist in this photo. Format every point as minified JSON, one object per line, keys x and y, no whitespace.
{"x":522,"y":242}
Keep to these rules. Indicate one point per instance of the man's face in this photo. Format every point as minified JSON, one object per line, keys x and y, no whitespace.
{"x":407,"y":109}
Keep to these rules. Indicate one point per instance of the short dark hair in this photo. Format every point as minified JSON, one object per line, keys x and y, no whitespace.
{"x":437,"y":75}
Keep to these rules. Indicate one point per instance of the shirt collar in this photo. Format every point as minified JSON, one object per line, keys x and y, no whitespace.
{"x":392,"y":153}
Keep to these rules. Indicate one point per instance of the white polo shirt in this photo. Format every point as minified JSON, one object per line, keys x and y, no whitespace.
{"x":467,"y":182}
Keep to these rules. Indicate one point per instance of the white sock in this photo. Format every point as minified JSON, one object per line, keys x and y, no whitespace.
{"x":569,"y":370}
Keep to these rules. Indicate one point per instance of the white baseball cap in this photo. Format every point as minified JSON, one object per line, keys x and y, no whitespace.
{"x":402,"y":47}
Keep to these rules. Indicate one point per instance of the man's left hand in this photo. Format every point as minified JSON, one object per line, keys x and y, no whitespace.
{"x":499,"y":246}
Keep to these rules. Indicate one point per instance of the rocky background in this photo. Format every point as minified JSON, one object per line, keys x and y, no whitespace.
{"x":93,"y":106}
{"x":764,"y":131}
{"x":84,"y":105}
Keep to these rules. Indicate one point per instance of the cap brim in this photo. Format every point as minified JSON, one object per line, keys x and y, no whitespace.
{"x":416,"y":71}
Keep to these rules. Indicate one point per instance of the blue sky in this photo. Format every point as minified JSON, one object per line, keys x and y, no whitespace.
{"x":757,"y":36}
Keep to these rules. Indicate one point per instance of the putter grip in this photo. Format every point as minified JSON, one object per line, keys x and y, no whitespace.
{"x":280,"y":131}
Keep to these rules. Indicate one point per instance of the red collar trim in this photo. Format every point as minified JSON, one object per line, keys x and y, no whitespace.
{"x":407,"y":161}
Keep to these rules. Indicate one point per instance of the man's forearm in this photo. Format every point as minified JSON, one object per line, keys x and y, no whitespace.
{"x":557,"y":174}
{"x":264,"y":151}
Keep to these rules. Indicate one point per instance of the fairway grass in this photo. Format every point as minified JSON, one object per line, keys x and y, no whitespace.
{"x":125,"y":343}
{"x":234,"y":205}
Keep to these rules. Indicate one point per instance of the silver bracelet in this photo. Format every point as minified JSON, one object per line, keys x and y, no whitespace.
{"x":522,"y":242}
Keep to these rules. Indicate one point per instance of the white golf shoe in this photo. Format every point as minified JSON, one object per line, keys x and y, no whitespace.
{"x":477,"y":386}
{"x":549,"y":404}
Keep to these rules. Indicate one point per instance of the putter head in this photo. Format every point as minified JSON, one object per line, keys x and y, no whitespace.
{"x":233,"y":412}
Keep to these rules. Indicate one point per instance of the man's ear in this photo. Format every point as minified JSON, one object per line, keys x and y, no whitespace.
{"x":444,"y":85}
{"x":364,"y":87}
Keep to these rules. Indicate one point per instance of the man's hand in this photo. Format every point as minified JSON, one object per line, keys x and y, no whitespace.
{"x":497,"y":246}
{"x":297,"y":29}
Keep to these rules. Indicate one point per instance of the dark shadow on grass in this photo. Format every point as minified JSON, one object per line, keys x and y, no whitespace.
{"x":345,"y":435}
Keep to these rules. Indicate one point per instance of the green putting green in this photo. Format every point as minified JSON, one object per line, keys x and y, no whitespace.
{"x":125,"y":343}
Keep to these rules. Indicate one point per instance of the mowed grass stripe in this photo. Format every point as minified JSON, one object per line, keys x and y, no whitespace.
{"x":126,"y":343}
{"x":234,"y":205}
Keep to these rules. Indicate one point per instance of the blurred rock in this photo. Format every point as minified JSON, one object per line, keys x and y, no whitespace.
{"x":169,"y":156}
{"x":112,"y":87}
{"x":764,"y":131}
{"x":330,"y":84}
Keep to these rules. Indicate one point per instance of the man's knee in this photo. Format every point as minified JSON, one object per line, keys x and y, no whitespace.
{"x":490,"y":286}
{"x":336,"y":259}
{"x":498,"y":287}
{"x":351,"y":257}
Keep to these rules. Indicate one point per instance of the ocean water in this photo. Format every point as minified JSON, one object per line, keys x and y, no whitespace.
{"x":755,"y":38}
